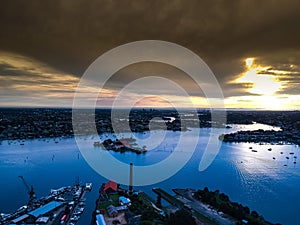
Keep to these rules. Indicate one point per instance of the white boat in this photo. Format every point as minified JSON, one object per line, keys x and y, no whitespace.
{"x":88,"y":186}
{"x":22,"y":209}
{"x":81,"y":204}
{"x":74,"y":218}
{"x":78,"y":211}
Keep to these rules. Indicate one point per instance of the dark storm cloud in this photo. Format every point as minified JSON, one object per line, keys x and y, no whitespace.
{"x":68,"y":35}
{"x":140,"y":70}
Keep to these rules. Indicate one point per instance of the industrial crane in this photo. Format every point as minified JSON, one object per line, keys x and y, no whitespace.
{"x":30,"y":191}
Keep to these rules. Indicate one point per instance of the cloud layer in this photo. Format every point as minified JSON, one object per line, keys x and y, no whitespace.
{"x":47,"y":45}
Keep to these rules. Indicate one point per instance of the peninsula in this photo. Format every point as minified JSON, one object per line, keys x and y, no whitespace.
{"x":117,"y":205}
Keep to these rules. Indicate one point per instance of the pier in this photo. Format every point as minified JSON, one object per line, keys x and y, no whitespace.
{"x":169,"y":198}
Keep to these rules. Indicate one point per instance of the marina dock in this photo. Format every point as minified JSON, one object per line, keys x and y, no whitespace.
{"x":62,"y":206}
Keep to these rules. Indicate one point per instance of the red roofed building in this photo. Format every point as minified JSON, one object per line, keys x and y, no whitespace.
{"x":110,"y":186}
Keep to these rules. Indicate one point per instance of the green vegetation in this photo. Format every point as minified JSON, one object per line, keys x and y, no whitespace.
{"x":113,"y":199}
{"x":104,"y":205}
{"x":144,"y":210}
{"x":222,"y":203}
{"x":170,"y":197}
{"x":140,"y":205}
{"x":181,"y":217}
{"x":143,"y":205}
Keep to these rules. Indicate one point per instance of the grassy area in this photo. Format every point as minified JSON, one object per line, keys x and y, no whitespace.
{"x":113,"y":200}
{"x":114,"y":197}
{"x":143,"y":202}
{"x":104,"y":205}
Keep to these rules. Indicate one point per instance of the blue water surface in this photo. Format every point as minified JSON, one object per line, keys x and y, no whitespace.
{"x":269,"y":186}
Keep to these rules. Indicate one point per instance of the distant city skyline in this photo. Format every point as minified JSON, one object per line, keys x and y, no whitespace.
{"x":252,"y":47}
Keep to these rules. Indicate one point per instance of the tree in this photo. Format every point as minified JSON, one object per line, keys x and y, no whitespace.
{"x":181,"y":217}
{"x":254,"y":214}
{"x":148,"y":214}
{"x":247,"y":210}
{"x":224,"y":197}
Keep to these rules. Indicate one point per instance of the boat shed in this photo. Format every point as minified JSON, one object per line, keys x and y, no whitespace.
{"x":20,"y":219}
{"x":100,"y":220}
{"x":111,"y":186}
{"x":45,"y":209}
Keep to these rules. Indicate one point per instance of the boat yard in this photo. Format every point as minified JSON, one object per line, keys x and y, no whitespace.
{"x":61,"y":206}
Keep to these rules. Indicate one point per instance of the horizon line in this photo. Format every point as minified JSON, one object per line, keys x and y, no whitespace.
{"x":147,"y":108}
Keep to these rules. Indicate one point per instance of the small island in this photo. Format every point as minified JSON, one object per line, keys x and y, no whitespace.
{"x":121,"y":145}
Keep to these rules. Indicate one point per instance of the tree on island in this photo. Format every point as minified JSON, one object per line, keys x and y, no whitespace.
{"x":181,"y":217}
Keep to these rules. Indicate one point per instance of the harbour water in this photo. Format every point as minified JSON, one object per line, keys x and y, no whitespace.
{"x":265,"y":180}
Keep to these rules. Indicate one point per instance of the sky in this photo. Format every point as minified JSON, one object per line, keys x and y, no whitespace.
{"x":252,"y":47}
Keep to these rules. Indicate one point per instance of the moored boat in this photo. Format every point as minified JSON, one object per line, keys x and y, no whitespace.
{"x":88,"y":186}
